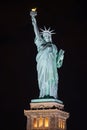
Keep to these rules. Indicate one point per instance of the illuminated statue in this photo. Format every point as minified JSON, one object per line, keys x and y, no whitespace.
{"x":48,"y":60}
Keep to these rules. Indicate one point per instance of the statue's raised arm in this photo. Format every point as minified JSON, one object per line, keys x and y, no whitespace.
{"x":33,"y":13}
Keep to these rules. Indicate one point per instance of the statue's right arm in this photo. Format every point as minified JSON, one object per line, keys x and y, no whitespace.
{"x":36,"y":30}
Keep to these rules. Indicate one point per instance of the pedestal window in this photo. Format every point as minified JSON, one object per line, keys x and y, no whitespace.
{"x":40,"y":122}
{"x":35,"y":123}
{"x":61,"y":123}
{"x":46,"y":122}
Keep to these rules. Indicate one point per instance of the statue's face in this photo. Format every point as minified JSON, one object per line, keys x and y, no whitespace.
{"x":47,"y":37}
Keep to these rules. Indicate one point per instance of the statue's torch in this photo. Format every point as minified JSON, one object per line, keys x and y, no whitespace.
{"x":33,"y":12}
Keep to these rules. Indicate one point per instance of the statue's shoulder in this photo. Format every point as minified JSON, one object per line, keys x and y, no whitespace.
{"x":38,"y":39}
{"x":54,"y":46}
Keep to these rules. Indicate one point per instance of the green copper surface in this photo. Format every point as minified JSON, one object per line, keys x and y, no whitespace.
{"x":46,"y":100}
{"x":48,"y":59}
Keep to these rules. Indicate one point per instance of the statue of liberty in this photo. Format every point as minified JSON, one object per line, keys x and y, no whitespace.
{"x":48,"y":59}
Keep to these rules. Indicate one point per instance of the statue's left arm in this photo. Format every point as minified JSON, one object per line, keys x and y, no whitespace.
{"x":60,"y":58}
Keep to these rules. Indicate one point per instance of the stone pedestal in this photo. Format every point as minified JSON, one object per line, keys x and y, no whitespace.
{"x":46,"y":115}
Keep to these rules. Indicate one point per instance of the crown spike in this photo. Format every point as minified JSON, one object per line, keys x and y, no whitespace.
{"x":41,"y":29}
{"x":53,"y":33}
{"x":45,"y":28}
{"x":49,"y":29}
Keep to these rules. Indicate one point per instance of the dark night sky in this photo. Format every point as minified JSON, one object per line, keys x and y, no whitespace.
{"x":18,"y":76}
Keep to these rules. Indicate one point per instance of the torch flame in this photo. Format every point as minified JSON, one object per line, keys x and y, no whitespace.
{"x":34,"y":9}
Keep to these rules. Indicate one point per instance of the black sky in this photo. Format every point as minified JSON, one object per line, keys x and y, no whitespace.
{"x":18,"y":76}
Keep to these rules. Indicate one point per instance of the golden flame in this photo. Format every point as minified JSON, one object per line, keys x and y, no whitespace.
{"x":34,"y":9}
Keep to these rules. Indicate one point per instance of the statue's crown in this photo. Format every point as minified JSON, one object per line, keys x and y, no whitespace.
{"x":50,"y":32}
